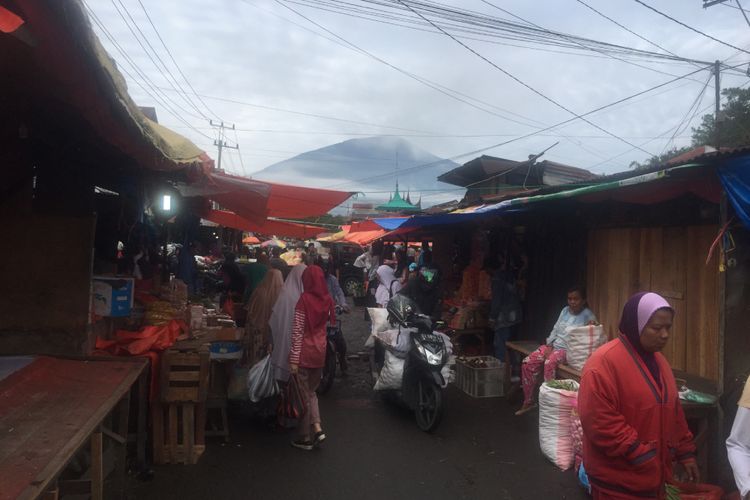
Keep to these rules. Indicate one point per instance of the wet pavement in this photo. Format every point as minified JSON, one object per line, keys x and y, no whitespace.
{"x":373,"y":451}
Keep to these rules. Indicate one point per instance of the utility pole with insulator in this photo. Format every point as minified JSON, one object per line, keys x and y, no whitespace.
{"x":717,"y":110}
{"x":220,"y":142}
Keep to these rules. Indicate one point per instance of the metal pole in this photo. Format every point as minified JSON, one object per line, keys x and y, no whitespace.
{"x":717,"y":110}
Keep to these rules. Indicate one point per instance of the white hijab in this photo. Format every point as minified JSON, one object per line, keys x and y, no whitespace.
{"x":388,"y":283}
{"x":281,"y":320}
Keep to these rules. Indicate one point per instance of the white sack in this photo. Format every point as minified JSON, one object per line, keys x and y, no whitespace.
{"x":379,"y":319}
{"x":391,"y":374}
{"x":582,"y":342}
{"x":555,"y":408}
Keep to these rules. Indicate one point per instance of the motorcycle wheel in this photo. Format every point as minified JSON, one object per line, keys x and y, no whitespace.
{"x":429,"y":407}
{"x":329,"y":372}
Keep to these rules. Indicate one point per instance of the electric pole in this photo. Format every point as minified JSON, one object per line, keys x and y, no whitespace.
{"x":717,"y":110}
{"x":220,"y":142}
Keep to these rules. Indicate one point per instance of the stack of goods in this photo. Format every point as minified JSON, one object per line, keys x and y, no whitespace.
{"x":161,"y":312}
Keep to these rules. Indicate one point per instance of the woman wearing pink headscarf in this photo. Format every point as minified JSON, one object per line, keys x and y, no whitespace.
{"x":314,"y":311}
{"x":633,"y":425}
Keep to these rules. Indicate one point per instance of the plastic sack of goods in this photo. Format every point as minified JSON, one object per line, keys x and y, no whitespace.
{"x":582,"y":342}
{"x":557,"y":399}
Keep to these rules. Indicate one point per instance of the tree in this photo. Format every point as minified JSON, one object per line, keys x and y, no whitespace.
{"x":655,"y":161}
{"x":734,"y":128}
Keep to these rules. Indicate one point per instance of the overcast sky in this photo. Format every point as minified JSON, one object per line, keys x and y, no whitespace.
{"x":262,"y":54}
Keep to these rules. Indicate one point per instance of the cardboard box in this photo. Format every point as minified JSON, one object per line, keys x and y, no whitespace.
{"x":112,"y":296}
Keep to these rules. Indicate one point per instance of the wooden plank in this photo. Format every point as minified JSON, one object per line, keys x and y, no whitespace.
{"x":97,"y":467}
{"x":181,"y":394}
{"x":188,"y":430}
{"x":157,"y":426}
{"x":191,"y":376}
{"x":172,"y":444}
{"x":53,"y":406}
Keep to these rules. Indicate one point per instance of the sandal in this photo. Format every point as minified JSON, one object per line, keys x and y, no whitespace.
{"x":525,"y":409}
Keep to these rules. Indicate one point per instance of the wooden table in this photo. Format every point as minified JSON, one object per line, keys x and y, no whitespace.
{"x":50,"y":409}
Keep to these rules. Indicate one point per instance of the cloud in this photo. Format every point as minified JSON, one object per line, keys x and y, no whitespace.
{"x":247,"y":51}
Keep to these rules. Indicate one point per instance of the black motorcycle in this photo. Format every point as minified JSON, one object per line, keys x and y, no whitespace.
{"x":422,"y":382}
{"x":334,"y":350}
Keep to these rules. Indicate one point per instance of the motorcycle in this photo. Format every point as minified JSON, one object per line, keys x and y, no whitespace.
{"x":427,"y":353}
{"x":332,"y":354}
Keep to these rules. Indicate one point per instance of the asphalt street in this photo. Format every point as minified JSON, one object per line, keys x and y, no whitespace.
{"x":373,"y":451}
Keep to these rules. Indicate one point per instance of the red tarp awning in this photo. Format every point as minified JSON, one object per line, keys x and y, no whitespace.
{"x":256,"y":200}
{"x":269,"y":227}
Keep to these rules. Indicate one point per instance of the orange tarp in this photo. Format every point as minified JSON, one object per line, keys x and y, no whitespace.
{"x":269,"y":227}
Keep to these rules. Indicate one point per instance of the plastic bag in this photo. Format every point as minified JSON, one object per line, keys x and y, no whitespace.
{"x":261,"y":382}
{"x":292,"y":405}
{"x":391,"y":374}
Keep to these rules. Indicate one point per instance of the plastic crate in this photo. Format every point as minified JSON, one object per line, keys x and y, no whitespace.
{"x":480,"y":382}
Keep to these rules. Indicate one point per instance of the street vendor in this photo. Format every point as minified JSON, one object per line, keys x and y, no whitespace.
{"x":552,"y":352}
{"x":634,"y":429}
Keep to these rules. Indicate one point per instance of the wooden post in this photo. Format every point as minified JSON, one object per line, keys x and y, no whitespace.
{"x":97,"y":466}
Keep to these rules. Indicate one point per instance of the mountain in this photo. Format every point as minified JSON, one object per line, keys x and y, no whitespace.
{"x":371,"y":166}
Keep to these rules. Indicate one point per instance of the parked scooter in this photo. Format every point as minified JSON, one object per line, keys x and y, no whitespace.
{"x":332,"y":354}
{"x":421,"y":384}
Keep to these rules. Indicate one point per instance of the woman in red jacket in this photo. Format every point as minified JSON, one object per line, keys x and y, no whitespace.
{"x":308,"y":351}
{"x":633,"y":425}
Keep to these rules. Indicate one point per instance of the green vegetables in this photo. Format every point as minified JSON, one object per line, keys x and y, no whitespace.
{"x":563,"y":385}
{"x":673,"y":493}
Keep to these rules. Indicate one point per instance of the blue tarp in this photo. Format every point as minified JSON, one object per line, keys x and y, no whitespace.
{"x":735,"y":177}
{"x":391,"y":223}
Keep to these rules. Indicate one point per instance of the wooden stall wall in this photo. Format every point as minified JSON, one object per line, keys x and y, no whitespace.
{"x":45,"y":292}
{"x":670,"y":261}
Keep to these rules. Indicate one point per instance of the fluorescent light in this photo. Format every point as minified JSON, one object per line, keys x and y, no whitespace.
{"x":166,"y":203}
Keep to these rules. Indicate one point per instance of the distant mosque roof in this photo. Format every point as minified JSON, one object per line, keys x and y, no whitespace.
{"x":399,"y":204}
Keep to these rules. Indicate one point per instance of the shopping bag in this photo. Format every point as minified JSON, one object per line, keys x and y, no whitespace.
{"x":261,"y":382}
{"x":292,"y":405}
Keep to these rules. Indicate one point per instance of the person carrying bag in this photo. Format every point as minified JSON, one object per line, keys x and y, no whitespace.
{"x":307,"y":356}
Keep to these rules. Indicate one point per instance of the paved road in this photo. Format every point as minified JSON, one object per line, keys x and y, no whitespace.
{"x":374,"y":451}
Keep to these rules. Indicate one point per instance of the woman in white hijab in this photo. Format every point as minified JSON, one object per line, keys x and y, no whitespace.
{"x":388,"y":285}
{"x":281,"y":321}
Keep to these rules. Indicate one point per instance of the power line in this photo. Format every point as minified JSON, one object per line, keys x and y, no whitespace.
{"x":569,"y":120}
{"x":693,"y":107}
{"x":132,"y":31}
{"x":690,"y":27}
{"x":145,"y":78}
{"x":434,"y":85}
{"x":624,"y":27}
{"x":168,"y":73}
{"x":521,"y":82}
{"x":174,"y":61}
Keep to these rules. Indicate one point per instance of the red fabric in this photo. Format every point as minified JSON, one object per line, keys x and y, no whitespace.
{"x":256,"y":200}
{"x":318,"y":307}
{"x":149,"y":342}
{"x":633,"y":429}
{"x":9,"y":22}
{"x":294,"y":202}
{"x":269,"y":227}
